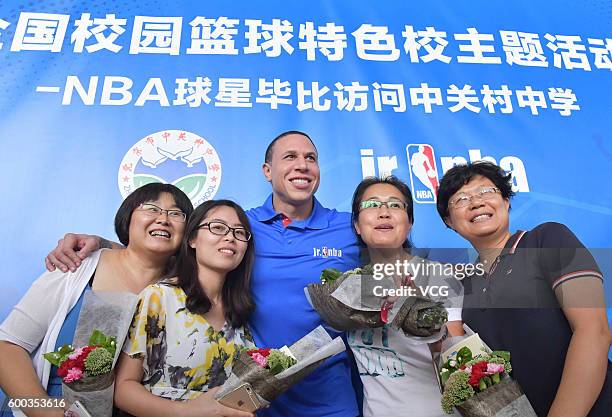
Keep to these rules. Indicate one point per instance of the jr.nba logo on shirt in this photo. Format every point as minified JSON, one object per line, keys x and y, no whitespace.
{"x":423,"y":172}
{"x":326,"y":252}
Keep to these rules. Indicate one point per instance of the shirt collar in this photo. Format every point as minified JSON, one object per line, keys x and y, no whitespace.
{"x":266,"y":211}
{"x":316,"y":220}
{"x":510,"y":246}
{"x":512,"y":243}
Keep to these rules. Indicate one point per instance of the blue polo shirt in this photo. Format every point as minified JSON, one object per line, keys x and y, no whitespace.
{"x":287,"y":259}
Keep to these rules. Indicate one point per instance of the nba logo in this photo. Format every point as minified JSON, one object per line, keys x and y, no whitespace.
{"x":423,"y":172}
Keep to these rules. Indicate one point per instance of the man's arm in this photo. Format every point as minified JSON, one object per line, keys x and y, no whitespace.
{"x":73,"y":248}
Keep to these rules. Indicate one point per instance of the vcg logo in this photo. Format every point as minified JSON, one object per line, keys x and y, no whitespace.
{"x":176,"y":157}
{"x":425,"y":171}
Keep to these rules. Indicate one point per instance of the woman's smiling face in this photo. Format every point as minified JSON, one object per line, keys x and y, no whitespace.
{"x":386,"y":226}
{"x":481,"y":219}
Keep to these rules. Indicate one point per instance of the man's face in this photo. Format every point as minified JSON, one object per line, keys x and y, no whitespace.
{"x":293,"y":170}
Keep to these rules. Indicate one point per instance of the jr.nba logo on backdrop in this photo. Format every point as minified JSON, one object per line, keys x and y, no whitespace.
{"x":423,"y":172}
{"x":175,"y":157}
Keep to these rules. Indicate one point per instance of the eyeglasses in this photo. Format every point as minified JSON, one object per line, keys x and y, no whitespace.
{"x":154,"y":211}
{"x":222,"y":229}
{"x":375,"y":204}
{"x":485,"y":193}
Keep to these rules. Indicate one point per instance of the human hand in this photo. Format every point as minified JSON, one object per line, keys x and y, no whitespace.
{"x":70,"y":251}
{"x":206,"y":406}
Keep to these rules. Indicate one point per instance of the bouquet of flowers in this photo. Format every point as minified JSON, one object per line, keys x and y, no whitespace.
{"x":267,"y":373}
{"x":480,"y":385}
{"x":276,"y":360}
{"x":347,"y":301}
{"x":85,"y":362}
{"x":87,"y":370}
{"x":335,"y":313}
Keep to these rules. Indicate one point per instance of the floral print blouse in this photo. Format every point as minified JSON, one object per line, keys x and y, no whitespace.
{"x":183,"y":354}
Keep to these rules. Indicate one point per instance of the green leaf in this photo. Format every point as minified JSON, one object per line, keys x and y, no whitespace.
{"x":59,"y":356}
{"x":278,"y":361}
{"x":54,"y":358}
{"x":444,"y":377}
{"x":111,"y":346}
{"x":482,"y":385}
{"x":329,"y":275}
{"x":97,"y":338}
{"x":495,"y":378}
{"x":464,"y":355}
{"x":66,"y":350}
{"x":109,"y":343}
{"x":504,"y":354}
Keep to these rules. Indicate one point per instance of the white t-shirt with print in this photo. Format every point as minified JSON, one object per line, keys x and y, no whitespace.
{"x":398,"y":376}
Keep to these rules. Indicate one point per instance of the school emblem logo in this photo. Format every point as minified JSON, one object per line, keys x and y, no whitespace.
{"x":176,"y":157}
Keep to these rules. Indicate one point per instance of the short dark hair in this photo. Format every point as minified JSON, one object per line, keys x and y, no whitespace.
{"x":270,"y":148}
{"x":148,"y":192}
{"x":367,"y":183}
{"x":459,"y":175}
{"x":236,"y":293}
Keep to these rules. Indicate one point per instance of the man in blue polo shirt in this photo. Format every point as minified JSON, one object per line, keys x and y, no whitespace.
{"x":295,"y":239}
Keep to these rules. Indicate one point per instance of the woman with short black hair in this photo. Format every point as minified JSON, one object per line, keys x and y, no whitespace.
{"x":541,"y":298}
{"x":150,"y":222}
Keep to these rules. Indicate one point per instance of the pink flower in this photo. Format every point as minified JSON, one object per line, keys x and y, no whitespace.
{"x":494,"y":368}
{"x":75,"y":354}
{"x":74,"y":374}
{"x":260,"y":359}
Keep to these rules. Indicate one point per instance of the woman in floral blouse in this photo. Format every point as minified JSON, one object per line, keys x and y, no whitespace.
{"x":187,"y":329}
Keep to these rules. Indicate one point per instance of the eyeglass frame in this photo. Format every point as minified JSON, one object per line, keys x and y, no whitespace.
{"x":383,"y":203}
{"x":161,"y":211}
{"x":229,"y":228}
{"x":480,"y":195}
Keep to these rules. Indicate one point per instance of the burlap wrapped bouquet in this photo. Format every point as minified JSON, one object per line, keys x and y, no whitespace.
{"x":267,"y":384}
{"x":333,"y":311}
{"x":505,"y":399}
{"x":349,"y":301}
{"x":476,"y":381}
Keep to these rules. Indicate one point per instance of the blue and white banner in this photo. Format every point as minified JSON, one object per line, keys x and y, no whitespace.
{"x":100,"y":97}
